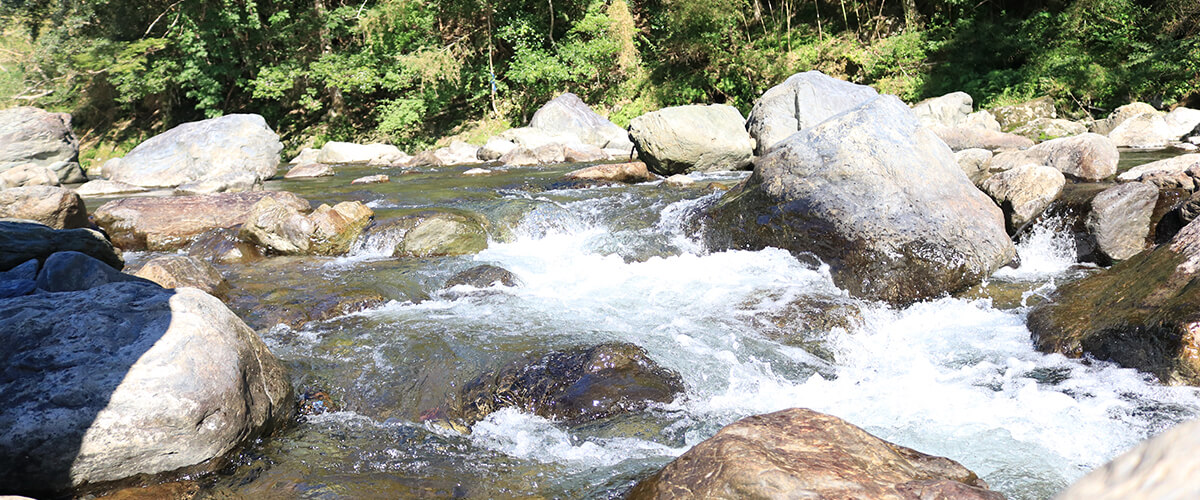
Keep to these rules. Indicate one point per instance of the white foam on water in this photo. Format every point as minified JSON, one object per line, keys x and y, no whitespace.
{"x":531,"y":437}
{"x":1044,"y":252}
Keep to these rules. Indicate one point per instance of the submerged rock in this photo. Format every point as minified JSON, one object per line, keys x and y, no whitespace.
{"x":878,"y":198}
{"x":228,"y":150}
{"x":1141,"y":313}
{"x":57,"y":207}
{"x":575,"y":386}
{"x":163,"y":382}
{"x":801,"y":101}
{"x":430,"y":233}
{"x":171,"y":223}
{"x":21,"y":241}
{"x":483,"y":277}
{"x":695,"y":138}
{"x":799,"y":453}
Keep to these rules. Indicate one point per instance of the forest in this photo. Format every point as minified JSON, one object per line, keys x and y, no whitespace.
{"x":411,"y":72}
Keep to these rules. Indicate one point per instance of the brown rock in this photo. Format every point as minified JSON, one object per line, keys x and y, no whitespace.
{"x":800,"y":453}
{"x":173,"y":222}
{"x":174,"y":271}
{"x":57,"y":207}
{"x":630,"y":173}
{"x":371,"y":179}
{"x":277,"y":228}
{"x":336,"y":227}
{"x":309,"y":170}
{"x":28,"y":175}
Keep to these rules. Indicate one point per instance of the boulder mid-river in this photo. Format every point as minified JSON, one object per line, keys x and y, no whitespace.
{"x":877,"y":197}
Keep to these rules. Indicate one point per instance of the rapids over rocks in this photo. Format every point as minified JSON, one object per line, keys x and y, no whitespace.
{"x":957,"y":377}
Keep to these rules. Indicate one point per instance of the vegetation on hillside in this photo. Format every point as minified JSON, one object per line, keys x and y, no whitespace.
{"x":411,"y":71}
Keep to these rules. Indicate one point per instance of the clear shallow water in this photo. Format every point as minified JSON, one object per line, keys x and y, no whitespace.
{"x":955,"y":377}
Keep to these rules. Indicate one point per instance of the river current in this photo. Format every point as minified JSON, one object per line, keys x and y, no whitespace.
{"x":956,"y":377}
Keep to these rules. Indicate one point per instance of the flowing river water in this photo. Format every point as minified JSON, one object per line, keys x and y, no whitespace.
{"x":956,"y":377}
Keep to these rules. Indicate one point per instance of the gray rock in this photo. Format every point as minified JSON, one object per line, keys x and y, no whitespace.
{"x":57,"y":207}
{"x":630,"y":173}
{"x":1183,"y":165}
{"x":31,"y":135}
{"x":948,"y":111}
{"x":175,"y":271}
{"x":372,"y":179}
{"x":1120,"y":219}
{"x":801,"y":101}
{"x":1042,"y":129}
{"x":68,"y":172}
{"x":968,"y":137}
{"x":694,"y":138}
{"x":309,"y":170}
{"x":25,"y":271}
{"x":171,"y":223}
{"x":73,"y":271}
{"x":198,"y":151}
{"x":105,"y":187}
{"x":305,"y":156}
{"x":1119,"y":115}
{"x":21,"y":241}
{"x":1182,"y":121}
{"x":458,"y":153}
{"x":532,"y":138}
{"x":983,"y":119}
{"x":1144,"y":131}
{"x":567,"y":113}
{"x":878,"y":198}
{"x":483,"y":277}
{"x":1017,"y":115}
{"x":974,"y":163}
{"x":125,"y":379}
{"x":277,"y":227}
{"x":1088,"y":156}
{"x":16,"y":288}
{"x":28,"y":174}
{"x":345,"y":152}
{"x":1024,"y":192}
{"x":495,"y":148}
{"x":1161,"y":467}
{"x":582,"y":153}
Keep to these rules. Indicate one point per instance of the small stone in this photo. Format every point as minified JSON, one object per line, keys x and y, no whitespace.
{"x":371,"y":179}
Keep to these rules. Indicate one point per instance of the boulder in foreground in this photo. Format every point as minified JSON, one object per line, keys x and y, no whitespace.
{"x":801,"y":101}
{"x":1162,"y":467}
{"x":800,"y":453}
{"x":877,"y":197}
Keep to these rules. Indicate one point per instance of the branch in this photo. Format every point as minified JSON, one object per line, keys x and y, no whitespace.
{"x":160,"y":16}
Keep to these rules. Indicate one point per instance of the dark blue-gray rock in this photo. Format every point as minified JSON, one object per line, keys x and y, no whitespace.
{"x":695,"y":138}
{"x":31,"y":135}
{"x":25,"y":271}
{"x":126,"y":380}
{"x":21,"y":241}
{"x":215,"y":154}
{"x":1120,"y":219}
{"x":877,"y":197}
{"x":16,"y":288}
{"x":73,"y":271}
{"x":567,"y":113}
{"x":57,"y":207}
{"x":801,"y":101}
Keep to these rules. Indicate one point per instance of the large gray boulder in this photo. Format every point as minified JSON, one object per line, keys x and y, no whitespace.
{"x":57,"y":207}
{"x":1024,"y":192}
{"x":801,"y":101}
{"x":1182,"y":121}
{"x":1144,"y":131}
{"x":693,"y":138}
{"x":1088,"y":156}
{"x":21,"y":241}
{"x":803,"y":454}
{"x":948,"y":111}
{"x":231,"y":147}
{"x":128,"y":379}
{"x":1042,"y":129}
{"x":1161,"y":467}
{"x":31,"y":135}
{"x":877,"y":197}
{"x":351,"y":153}
{"x":567,"y":113}
{"x":1120,"y":219}
{"x":1119,"y":115}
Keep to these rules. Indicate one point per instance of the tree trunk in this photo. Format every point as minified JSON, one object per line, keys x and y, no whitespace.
{"x":912,"y":17}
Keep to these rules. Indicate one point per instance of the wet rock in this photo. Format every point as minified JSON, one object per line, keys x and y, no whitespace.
{"x":223,"y":246}
{"x":264,"y":305}
{"x":28,"y":175}
{"x":277,"y":228}
{"x":801,"y":101}
{"x":371,"y":179}
{"x":73,"y":271}
{"x":974,"y":163}
{"x":629,"y":173}
{"x":1179,"y":171}
{"x":164,"y":382}
{"x":806,"y":321}
{"x":575,"y":386}
{"x":1161,"y":467}
{"x":878,"y":198}
{"x":31,"y":135}
{"x":314,"y":403}
{"x":57,"y":207}
{"x":948,"y":110}
{"x":1119,"y":115}
{"x":335,"y":228}
{"x":309,"y":170}
{"x":1024,"y":192}
{"x":1140,"y":313}
{"x":694,"y":138}
{"x":1017,"y":115}
{"x":438,"y":233}
{"x":105,"y":187}
{"x":1120,"y":219}
{"x":960,"y":138}
{"x":350,"y":153}
{"x":213,"y":150}
{"x":799,"y":453}
{"x":1144,"y":131}
{"x":174,"y":271}
{"x":174,"y":222}
{"x":483,"y":277}
{"x":21,"y":241}
{"x":1042,"y":129}
{"x":567,"y":113}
